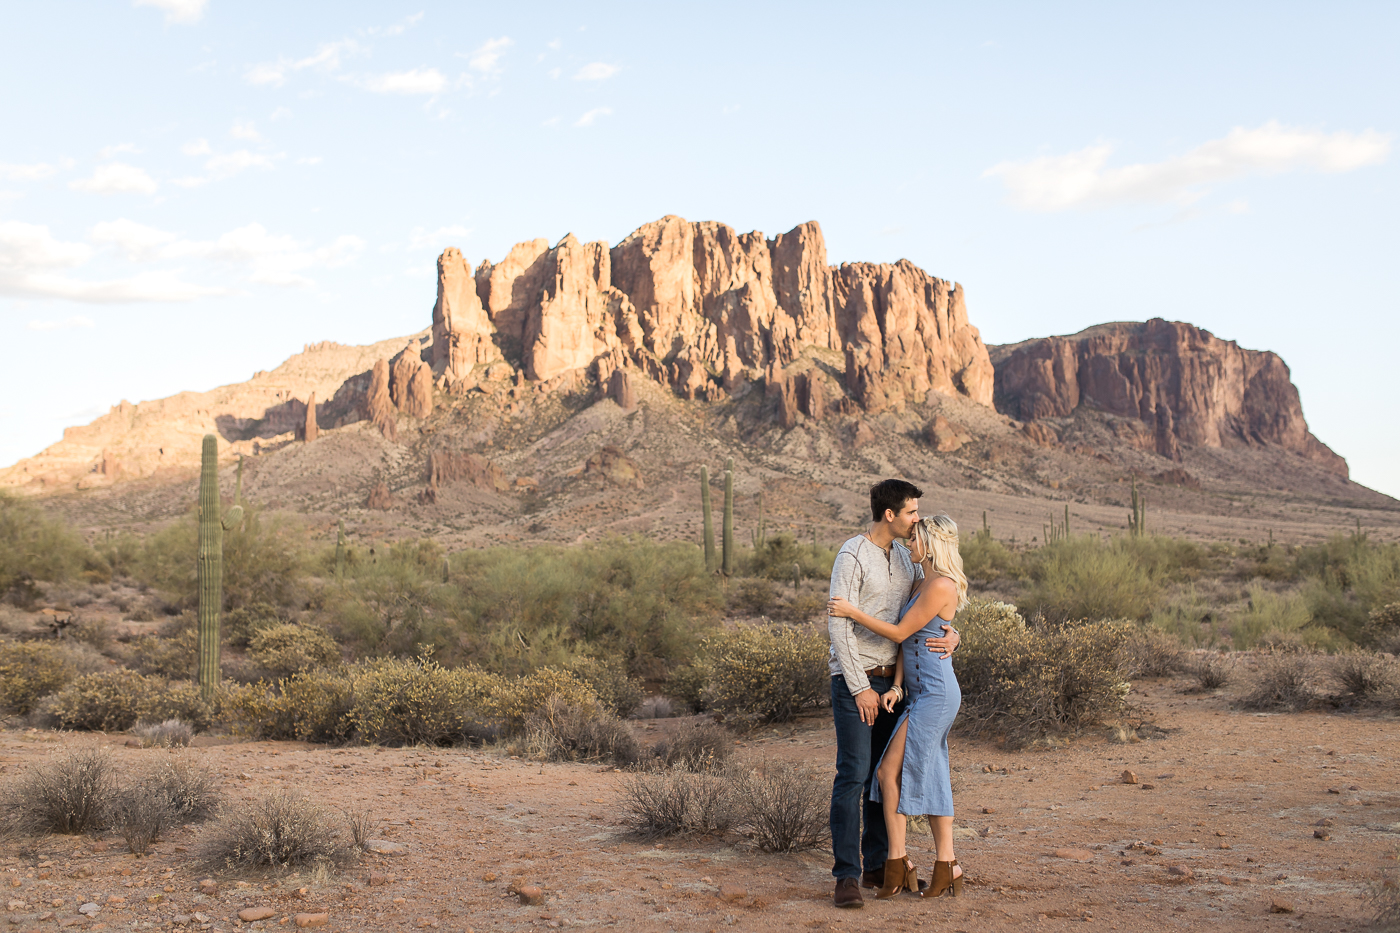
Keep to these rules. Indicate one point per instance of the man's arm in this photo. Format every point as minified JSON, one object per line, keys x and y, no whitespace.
{"x":845,"y":578}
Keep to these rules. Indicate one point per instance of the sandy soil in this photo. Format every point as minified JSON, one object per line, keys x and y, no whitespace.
{"x":1221,"y":828}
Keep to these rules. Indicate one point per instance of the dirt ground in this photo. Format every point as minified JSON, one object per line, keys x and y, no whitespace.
{"x":1250,"y":821}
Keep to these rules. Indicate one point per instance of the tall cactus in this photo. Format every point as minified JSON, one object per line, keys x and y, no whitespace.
{"x":1137,"y":521}
{"x":211,"y":565}
{"x":340,"y":549}
{"x":759,"y":533}
{"x":728,"y":534}
{"x":709,"y":519}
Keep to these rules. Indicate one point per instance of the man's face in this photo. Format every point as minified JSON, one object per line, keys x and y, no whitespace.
{"x":903,"y":522}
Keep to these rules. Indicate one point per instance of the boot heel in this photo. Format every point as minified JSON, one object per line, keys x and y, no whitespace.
{"x":898,"y":872}
{"x":944,"y":882}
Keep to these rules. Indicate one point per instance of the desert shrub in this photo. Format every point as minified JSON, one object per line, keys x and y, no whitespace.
{"x":802,"y":608}
{"x":986,"y":559}
{"x":761,"y":674}
{"x":71,"y":794}
{"x":1037,"y":680}
{"x":241,"y":623}
{"x":312,"y":706}
{"x":753,"y":597}
{"x":141,"y":815}
{"x":1212,"y":670}
{"x":1384,"y":901}
{"x":189,"y":789}
{"x":1365,"y":676}
{"x":1269,"y":615}
{"x":31,"y":670}
{"x":1164,"y":559}
{"x":169,"y":733}
{"x":782,"y":557}
{"x":279,"y":830}
{"x":1085,"y":578}
{"x":788,"y":807}
{"x":1150,"y":652}
{"x":619,"y":693}
{"x":34,"y":547}
{"x":655,"y":707}
{"x":560,"y":732}
{"x":669,"y":803}
{"x":112,"y":701}
{"x":286,"y":648}
{"x":705,"y":746}
{"x":1349,"y":575}
{"x":1382,"y":630}
{"x":687,"y":684}
{"x":167,"y":656}
{"x":361,"y":823}
{"x":1284,"y":682}
{"x":411,"y":703}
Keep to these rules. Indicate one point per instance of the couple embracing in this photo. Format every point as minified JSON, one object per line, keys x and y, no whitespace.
{"x":894,"y":695}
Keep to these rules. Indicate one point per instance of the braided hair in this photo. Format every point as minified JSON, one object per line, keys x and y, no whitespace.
{"x":938,"y":537}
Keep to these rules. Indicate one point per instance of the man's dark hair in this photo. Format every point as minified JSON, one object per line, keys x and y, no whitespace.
{"x":891,"y":494}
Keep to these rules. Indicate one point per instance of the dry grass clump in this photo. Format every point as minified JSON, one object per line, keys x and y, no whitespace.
{"x":788,"y":807}
{"x":189,"y":789}
{"x":1152,"y":653}
{"x":171,"y":733}
{"x":141,"y":814}
{"x":1284,"y":682}
{"x":671,"y":803}
{"x":361,"y":823}
{"x":71,"y":794}
{"x":705,"y":746}
{"x":279,"y":831}
{"x":1384,"y":900}
{"x":1212,"y":671}
{"x":562,"y":732}
{"x":1366,"y":677}
{"x":655,"y":707}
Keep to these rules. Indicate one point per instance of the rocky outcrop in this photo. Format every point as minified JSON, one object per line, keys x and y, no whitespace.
{"x":379,"y":406}
{"x":449,"y":466}
{"x":614,"y":466}
{"x":705,"y":309}
{"x":462,"y":331}
{"x":1187,"y":387}
{"x":309,"y":429}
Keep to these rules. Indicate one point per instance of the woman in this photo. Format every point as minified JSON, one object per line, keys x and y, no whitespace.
{"x":913,"y":775}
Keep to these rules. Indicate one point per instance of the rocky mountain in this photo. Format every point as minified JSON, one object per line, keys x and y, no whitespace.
{"x":1185,"y":385}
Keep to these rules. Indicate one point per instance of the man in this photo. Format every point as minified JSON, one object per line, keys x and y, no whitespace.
{"x":876,"y":575}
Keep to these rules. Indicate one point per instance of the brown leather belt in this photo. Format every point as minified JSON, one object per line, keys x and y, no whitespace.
{"x":886,"y":671}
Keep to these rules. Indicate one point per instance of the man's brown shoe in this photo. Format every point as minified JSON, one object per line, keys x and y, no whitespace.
{"x":848,"y":893}
{"x":871,"y":879}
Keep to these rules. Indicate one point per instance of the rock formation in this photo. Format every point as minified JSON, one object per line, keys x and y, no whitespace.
{"x":616,"y":467}
{"x":309,"y":429}
{"x":379,"y":406}
{"x":704,"y":309}
{"x":1185,"y":385}
{"x":448,"y":466}
{"x":462,"y":331}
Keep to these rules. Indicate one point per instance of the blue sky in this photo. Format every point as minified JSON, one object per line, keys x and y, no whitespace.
{"x":190,"y":190}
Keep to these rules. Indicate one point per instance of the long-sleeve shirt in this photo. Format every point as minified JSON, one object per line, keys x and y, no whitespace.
{"x":877,"y":584}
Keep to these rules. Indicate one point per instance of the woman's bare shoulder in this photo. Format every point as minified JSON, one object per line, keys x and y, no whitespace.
{"x":941,"y":585}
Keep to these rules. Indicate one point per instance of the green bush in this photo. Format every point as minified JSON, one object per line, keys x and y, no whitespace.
{"x":782,"y":557}
{"x":987,"y":560}
{"x":166,"y":656}
{"x":618,"y":693}
{"x":286,"y":648}
{"x":560,"y":732}
{"x":1036,"y":681}
{"x":34,"y":548}
{"x":1084,"y":578}
{"x":241,"y":623}
{"x":1269,"y":615}
{"x":760,"y":674}
{"x":113,"y":701}
{"x":1348,"y":577}
{"x":31,"y":670}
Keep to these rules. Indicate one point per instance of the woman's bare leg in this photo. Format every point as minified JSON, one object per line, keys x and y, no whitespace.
{"x":942,"y":827}
{"x":889,"y":775}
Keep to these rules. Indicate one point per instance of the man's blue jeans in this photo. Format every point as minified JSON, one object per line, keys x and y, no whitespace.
{"x":858,"y":748}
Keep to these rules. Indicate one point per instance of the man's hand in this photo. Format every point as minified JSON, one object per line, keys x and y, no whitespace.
{"x":868,"y":702}
{"x":945,"y":643}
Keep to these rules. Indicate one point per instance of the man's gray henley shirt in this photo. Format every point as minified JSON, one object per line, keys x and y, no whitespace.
{"x":878,"y":584}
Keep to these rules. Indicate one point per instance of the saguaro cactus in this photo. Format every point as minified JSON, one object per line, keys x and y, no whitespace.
{"x":709,"y":519}
{"x":1137,"y":521}
{"x":759,"y":533}
{"x":728,"y":538}
{"x":340,"y":549}
{"x":211,"y":565}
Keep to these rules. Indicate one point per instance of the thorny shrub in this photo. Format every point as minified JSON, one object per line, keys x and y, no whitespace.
{"x":287,"y":648}
{"x":788,"y":807}
{"x":112,"y":701}
{"x":672,"y":803}
{"x":279,"y":830}
{"x":70,"y":794}
{"x":170,"y":733}
{"x":763,"y":674}
{"x":558,"y":731}
{"x":705,"y":746}
{"x":32,"y":670}
{"x":1284,"y":682}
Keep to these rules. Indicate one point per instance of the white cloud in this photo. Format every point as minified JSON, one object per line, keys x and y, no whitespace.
{"x":588,"y":118}
{"x":68,"y":323}
{"x":31,"y":246}
{"x":196,"y":147}
{"x":553,"y":44}
{"x":116,"y":178}
{"x":231,"y":163}
{"x":416,"y":81}
{"x":326,"y":58}
{"x":244,"y":129}
{"x":1238,"y":206}
{"x":596,"y":71}
{"x":435,"y":239}
{"x":177,"y":11}
{"x":554,"y":72}
{"x":309,"y":160}
{"x":397,"y":28}
{"x":486,"y":59}
{"x":1083,"y":178}
{"x":189,"y":181}
{"x":281,"y":113}
{"x":34,"y":172}
{"x":147,"y":286}
{"x":136,"y":241}
{"x":552,"y":121}
{"x":120,"y":148}
{"x":278,"y":259}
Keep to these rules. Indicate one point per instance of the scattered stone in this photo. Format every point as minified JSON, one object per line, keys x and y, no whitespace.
{"x":46,"y":916}
{"x":1322,"y":834}
{"x":1325,"y":821}
{"x":1353,"y":787}
{"x":311,"y":920}
{"x":1149,"y":786}
{"x":1166,"y":777}
{"x":254,"y":914}
{"x":209,"y":886}
{"x":988,"y":810}
{"x":489,"y":877}
{"x":1224,"y":845}
{"x":530,"y":894}
{"x":1129,"y":777}
{"x":1074,"y":855}
{"x":378,"y":877}
{"x":1181,"y":872}
{"x":1280,"y":906}
{"x":89,"y":909}
{"x":385,"y":847}
{"x":732,"y":893}
{"x":1333,"y":790}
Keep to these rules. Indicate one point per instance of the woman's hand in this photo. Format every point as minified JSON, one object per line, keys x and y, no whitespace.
{"x":888,"y":700}
{"x":839,"y":607}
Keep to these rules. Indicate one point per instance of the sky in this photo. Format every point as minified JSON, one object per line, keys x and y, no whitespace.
{"x":191,"y":190}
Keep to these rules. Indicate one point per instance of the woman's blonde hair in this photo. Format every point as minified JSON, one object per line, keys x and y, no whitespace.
{"x":938,"y":536}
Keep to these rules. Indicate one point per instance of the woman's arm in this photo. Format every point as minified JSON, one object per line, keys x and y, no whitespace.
{"x":916,"y":618}
{"x":896,"y":692}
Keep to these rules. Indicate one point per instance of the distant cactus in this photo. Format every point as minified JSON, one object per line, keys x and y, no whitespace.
{"x":210,"y":568}
{"x":446,"y":571}
{"x":340,"y":549}
{"x":758,"y":535}
{"x":1137,"y":521}
{"x":709,"y":519}
{"x":238,"y":483}
{"x":728,"y":533}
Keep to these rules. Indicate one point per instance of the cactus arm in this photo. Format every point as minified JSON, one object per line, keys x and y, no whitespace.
{"x":709,"y":523}
{"x":232,"y":517}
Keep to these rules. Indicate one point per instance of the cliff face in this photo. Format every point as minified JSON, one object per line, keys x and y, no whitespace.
{"x":703,"y":309}
{"x":1187,"y":385}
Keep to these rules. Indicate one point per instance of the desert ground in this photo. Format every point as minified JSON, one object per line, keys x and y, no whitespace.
{"x":1256,"y":821}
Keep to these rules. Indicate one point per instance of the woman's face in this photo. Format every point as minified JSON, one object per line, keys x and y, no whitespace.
{"x":916,"y":549}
